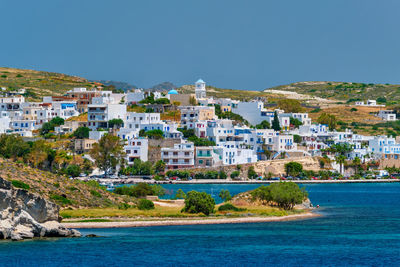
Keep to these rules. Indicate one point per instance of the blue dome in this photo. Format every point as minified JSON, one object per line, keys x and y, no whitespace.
{"x":173,"y":92}
{"x":200,"y":81}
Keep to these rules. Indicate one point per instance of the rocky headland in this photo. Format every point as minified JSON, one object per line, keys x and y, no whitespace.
{"x":24,"y":215}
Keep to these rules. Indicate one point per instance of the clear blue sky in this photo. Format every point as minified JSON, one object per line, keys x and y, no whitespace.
{"x":252,"y":44}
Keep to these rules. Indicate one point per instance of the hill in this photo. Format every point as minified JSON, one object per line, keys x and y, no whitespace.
{"x":118,"y":85}
{"x":348,"y":92}
{"x":59,"y":189}
{"x":40,"y":83}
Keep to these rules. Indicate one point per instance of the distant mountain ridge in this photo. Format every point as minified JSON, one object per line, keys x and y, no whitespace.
{"x":118,"y":85}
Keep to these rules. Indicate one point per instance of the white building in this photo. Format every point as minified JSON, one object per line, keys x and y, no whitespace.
{"x":100,"y":114}
{"x":200,"y":89}
{"x":137,"y":148}
{"x":180,"y":156}
{"x":387,"y":115}
{"x":135,"y":96}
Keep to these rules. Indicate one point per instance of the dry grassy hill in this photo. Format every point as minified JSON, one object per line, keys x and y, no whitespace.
{"x":59,"y":189}
{"x":40,"y":83}
{"x":344,"y":91}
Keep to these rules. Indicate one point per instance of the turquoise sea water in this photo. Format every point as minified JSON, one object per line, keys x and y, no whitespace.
{"x":360,"y":226}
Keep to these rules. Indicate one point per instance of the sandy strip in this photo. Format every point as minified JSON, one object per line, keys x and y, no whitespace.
{"x":188,"y":221}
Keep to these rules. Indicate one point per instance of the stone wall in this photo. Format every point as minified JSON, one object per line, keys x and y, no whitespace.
{"x":155,"y":145}
{"x":276,"y":167}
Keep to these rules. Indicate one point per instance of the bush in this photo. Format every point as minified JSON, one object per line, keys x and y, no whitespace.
{"x":199,"y":202}
{"x":60,"y":199}
{"x":180,"y":194}
{"x":73,"y":170}
{"x":251,"y":173}
{"x":95,"y":193}
{"x":19,"y":184}
{"x":140,"y":190}
{"x":124,"y":206}
{"x":235,"y":174}
{"x":229,"y":207}
{"x":145,"y":204}
{"x":225,"y":195}
{"x":353,"y":109}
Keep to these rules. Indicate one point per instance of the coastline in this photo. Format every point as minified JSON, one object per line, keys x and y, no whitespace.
{"x":170,"y":222}
{"x":216,"y":181}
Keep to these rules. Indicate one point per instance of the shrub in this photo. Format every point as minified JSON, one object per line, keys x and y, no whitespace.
{"x":60,"y":199}
{"x":95,"y":193}
{"x":140,"y":190}
{"x":124,"y":206}
{"x":235,"y":174}
{"x":199,"y":202}
{"x":222,"y":175}
{"x":145,"y":204}
{"x":19,"y":184}
{"x":353,"y":109}
{"x":180,"y":194}
{"x":251,"y":173}
{"x":225,"y":195}
{"x":73,"y":170}
{"x":229,"y":207}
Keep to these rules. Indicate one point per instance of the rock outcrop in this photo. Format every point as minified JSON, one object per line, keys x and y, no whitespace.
{"x":26,"y":215}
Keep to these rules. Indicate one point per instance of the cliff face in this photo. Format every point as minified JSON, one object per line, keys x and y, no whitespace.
{"x":26,"y":215}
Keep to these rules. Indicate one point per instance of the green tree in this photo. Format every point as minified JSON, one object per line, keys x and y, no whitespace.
{"x":290,"y":105}
{"x":108,"y":152}
{"x":73,"y":170}
{"x":263,"y":125}
{"x":295,"y":122}
{"x":163,"y":101}
{"x":180,"y":194}
{"x":13,"y":146}
{"x":145,"y":204}
{"x":199,"y":202}
{"x":159,"y":166}
{"x":155,"y":134}
{"x":328,"y":119}
{"x":115,"y":123}
{"x":341,"y":159}
{"x":356,"y":163}
{"x":297,"y":138}
{"x":293,"y":168}
{"x":275,"y":123}
{"x":222,"y":175}
{"x":251,"y":173}
{"x":225,"y":195}
{"x":81,"y":132}
{"x":235,"y":174}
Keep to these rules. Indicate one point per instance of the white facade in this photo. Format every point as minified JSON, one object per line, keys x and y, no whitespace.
{"x":387,"y":115}
{"x":100,"y":114}
{"x":137,"y":148}
{"x":180,"y":156}
{"x":200,"y":89}
{"x":135,"y":96}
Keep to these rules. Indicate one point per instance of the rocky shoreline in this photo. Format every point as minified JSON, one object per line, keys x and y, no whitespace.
{"x":25,"y":215}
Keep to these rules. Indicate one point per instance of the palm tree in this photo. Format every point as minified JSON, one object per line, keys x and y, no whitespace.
{"x":357,"y":163}
{"x":340,"y":160}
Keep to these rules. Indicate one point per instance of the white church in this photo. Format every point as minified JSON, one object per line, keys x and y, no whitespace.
{"x":200,"y":89}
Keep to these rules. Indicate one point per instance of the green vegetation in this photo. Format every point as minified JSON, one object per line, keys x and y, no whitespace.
{"x":20,"y":184}
{"x":115,"y":123}
{"x":138,"y":168}
{"x":145,"y":204}
{"x":284,"y":195}
{"x":108,"y":152}
{"x":251,"y":173}
{"x":235,"y":174}
{"x":81,"y":132}
{"x":229,"y":207}
{"x":48,"y":127}
{"x":295,"y":122}
{"x":62,"y":200}
{"x":180,"y":194}
{"x":199,"y":202}
{"x":152,"y":134}
{"x":263,"y":125}
{"x":140,"y":190}
{"x":73,"y":170}
{"x":328,"y":119}
{"x":290,"y":105}
{"x":225,"y":195}
{"x":293,"y":168}
{"x":275,"y":123}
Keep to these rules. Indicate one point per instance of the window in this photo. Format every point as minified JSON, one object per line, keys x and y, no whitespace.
{"x":165,"y":153}
{"x":175,"y":161}
{"x":186,"y":160}
{"x":139,"y":143}
{"x":175,"y":153}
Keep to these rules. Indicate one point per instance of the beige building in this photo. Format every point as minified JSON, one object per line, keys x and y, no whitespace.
{"x":83,"y":145}
{"x":390,"y":160}
{"x":192,"y":114}
{"x":183,"y":99}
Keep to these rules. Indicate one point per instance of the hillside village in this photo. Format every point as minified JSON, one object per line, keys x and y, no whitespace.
{"x":179,"y":129}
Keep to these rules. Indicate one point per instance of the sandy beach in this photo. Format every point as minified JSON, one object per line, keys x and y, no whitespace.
{"x":144,"y":223}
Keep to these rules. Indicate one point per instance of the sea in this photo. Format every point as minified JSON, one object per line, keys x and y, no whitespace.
{"x":359,"y":226}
